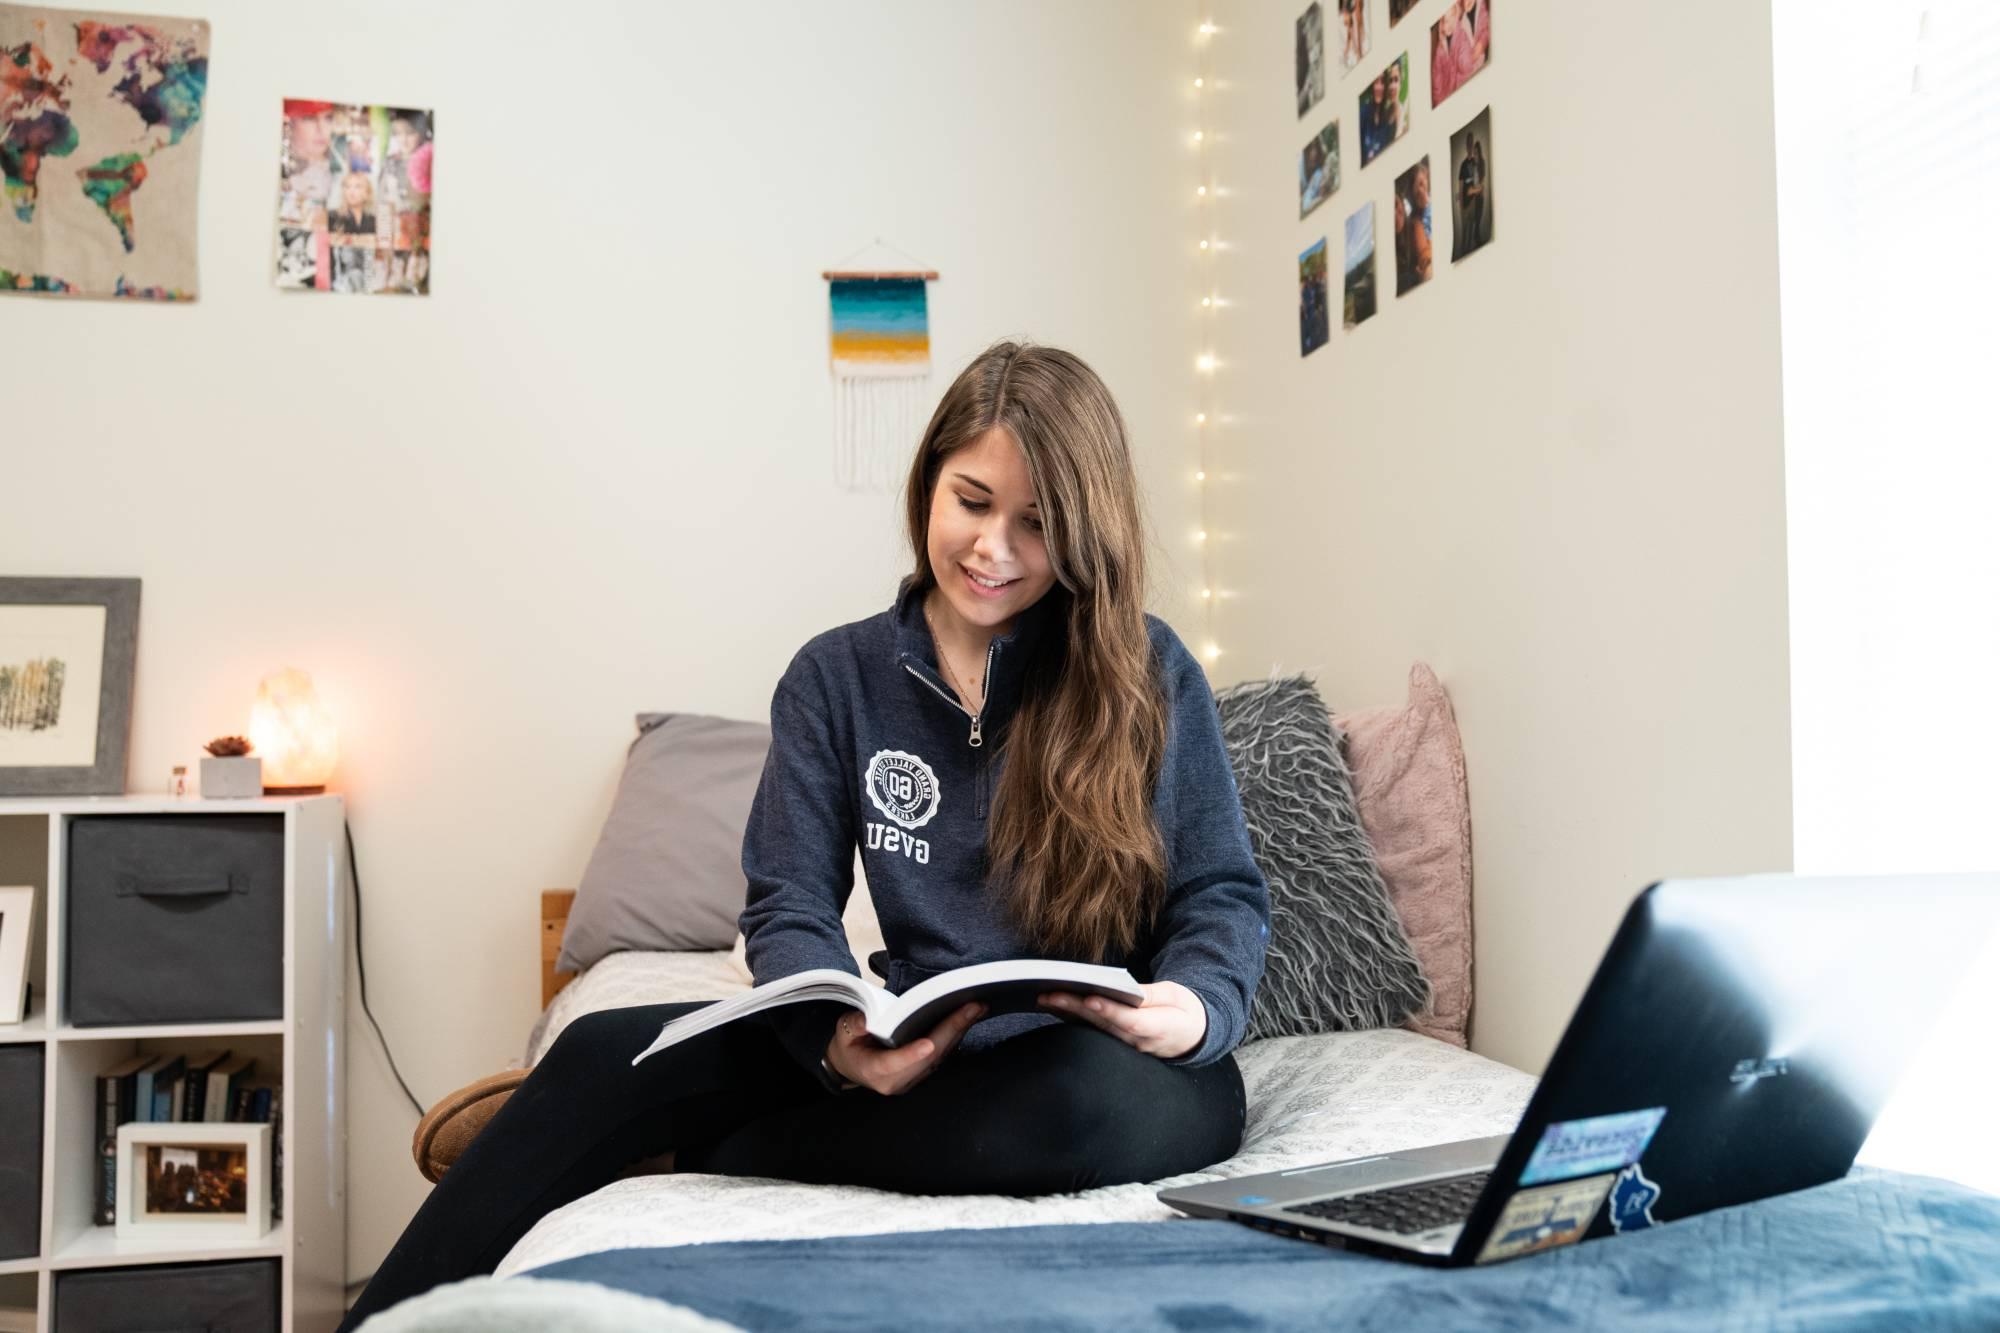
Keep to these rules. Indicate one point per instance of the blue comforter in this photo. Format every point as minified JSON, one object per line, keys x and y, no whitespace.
{"x":1876,"y":1250}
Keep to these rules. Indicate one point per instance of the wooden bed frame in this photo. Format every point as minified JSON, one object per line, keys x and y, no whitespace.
{"x":555,"y":916}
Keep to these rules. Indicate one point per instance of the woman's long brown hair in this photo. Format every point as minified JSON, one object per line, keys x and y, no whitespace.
{"x":1071,"y":842}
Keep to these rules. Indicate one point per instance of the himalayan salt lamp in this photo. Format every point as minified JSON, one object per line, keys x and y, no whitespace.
{"x":295,"y":734}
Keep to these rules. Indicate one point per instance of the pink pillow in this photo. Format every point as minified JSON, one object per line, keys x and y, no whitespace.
{"x":1409,"y":787}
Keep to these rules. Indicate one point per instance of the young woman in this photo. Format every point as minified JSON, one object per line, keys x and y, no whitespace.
{"x":1032,"y":767}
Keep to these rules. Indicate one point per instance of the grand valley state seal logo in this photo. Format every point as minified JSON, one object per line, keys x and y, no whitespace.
{"x":902,"y":787}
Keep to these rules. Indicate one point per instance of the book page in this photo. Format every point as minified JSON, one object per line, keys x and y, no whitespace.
{"x":819,"y":983}
{"x":1011,"y":986}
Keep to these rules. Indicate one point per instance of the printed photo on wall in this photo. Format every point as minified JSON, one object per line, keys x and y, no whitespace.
{"x":1398,"y":9}
{"x":1319,"y":168}
{"x":1413,"y":226}
{"x":1314,"y":313}
{"x":1461,"y":42}
{"x":1385,"y":109}
{"x":1358,"y":285}
{"x":354,"y":198}
{"x":1353,"y":32}
{"x":1310,"y":58}
{"x":1472,"y":185}
{"x":100,"y":152}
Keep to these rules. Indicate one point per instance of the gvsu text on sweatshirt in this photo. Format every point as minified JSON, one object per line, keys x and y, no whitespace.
{"x":871,"y":748}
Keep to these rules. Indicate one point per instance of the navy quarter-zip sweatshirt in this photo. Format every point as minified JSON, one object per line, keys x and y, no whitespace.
{"x":870,"y":747}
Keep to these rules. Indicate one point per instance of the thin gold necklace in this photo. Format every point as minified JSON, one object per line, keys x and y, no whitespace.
{"x":945,"y":661}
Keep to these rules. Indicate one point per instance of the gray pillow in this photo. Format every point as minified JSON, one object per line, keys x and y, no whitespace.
{"x":667,"y":872}
{"x":1338,"y":957}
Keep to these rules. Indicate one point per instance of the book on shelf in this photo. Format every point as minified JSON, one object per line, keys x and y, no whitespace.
{"x":117,"y":1103}
{"x":166,"y":1078}
{"x":277,"y":1160}
{"x":1010,"y":986}
{"x":194,"y":1084}
{"x":223,"y":1081}
{"x":144,"y":1083}
{"x":167,"y":1089}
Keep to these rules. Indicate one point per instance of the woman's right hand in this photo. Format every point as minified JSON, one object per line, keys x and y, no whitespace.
{"x":891,"y":1071}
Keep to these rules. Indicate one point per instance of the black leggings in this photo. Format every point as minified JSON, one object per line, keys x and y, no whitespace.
{"x":1054,"y":1109}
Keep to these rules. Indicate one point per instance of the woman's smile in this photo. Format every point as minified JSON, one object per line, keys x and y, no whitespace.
{"x":991,"y":591}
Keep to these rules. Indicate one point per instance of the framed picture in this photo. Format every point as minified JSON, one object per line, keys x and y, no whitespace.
{"x":67,"y":652}
{"x":199,"y":1181}
{"x":17,"y":923}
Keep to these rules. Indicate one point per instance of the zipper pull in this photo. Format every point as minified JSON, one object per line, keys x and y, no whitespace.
{"x":974,"y":740}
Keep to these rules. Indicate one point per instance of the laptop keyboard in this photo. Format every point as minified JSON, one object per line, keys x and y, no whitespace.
{"x":1406,"y":1209}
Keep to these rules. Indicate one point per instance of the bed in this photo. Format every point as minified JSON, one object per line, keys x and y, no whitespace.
{"x":694,"y":1253}
{"x":1310,"y":1099}
{"x":690,"y":1253}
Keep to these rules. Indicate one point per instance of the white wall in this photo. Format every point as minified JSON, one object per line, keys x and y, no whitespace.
{"x":590,"y":475}
{"x":1555,"y":472}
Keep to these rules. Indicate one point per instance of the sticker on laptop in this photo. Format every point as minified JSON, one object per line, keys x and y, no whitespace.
{"x":1545,"y":1217}
{"x":1632,"y":1200}
{"x":1585,"y":1147}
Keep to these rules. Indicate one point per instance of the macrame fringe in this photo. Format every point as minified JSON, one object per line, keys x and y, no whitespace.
{"x":877,"y":419}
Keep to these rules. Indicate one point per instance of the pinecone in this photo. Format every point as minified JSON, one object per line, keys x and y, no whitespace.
{"x":223,"y":746}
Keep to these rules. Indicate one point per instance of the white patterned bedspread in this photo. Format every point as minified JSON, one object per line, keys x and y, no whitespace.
{"x":1311,"y":1099}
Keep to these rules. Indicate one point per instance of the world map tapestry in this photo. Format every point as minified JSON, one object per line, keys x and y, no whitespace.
{"x":100,"y":152}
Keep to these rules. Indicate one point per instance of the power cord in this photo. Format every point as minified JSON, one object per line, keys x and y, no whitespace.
{"x":361,"y":971}
{"x":356,"y":1285}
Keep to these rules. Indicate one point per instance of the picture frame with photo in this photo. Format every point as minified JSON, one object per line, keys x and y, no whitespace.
{"x":198,"y":1181}
{"x":1410,"y":206}
{"x":1319,"y":168}
{"x":1357,"y":284}
{"x":1472,"y":185}
{"x":1461,"y":46}
{"x":1314,"y":315}
{"x":68,"y":653}
{"x":17,"y":929}
{"x":1384,"y":108}
{"x":1309,"y":58}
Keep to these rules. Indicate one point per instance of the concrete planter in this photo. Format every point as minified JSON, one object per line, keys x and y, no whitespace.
{"x":232,"y":775}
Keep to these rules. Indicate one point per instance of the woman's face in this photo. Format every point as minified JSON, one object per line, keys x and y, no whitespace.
{"x":354,"y":189}
{"x":985,"y":521}
{"x":309,"y":137}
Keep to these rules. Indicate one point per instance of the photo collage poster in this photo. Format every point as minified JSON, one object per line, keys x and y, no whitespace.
{"x":354,"y":198}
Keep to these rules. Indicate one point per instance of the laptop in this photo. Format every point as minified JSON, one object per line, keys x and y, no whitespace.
{"x":1737,"y":1041}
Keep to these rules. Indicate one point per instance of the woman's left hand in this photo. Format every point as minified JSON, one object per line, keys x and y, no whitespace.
{"x":1169,"y":1022}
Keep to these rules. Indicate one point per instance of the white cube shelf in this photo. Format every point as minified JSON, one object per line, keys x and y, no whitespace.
{"x":306,"y":1047}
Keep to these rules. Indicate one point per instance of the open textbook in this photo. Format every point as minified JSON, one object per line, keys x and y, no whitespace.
{"x":1004,"y":987}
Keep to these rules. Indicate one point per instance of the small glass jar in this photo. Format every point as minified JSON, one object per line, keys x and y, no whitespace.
{"x":179,"y":785}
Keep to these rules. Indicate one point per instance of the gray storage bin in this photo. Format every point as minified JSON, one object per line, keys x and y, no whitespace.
{"x":240,"y":1296}
{"x":20,"y":1151}
{"x":174,"y":919}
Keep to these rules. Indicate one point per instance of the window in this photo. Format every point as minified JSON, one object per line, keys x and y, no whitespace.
{"x":1888,"y":155}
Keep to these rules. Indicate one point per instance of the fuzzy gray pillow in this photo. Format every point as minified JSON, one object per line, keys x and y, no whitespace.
{"x":1338,"y":957}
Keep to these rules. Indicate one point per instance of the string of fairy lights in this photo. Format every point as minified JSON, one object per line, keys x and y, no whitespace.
{"x":1205,"y":362}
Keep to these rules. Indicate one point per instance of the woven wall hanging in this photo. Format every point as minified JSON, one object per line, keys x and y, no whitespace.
{"x":881,"y":347}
